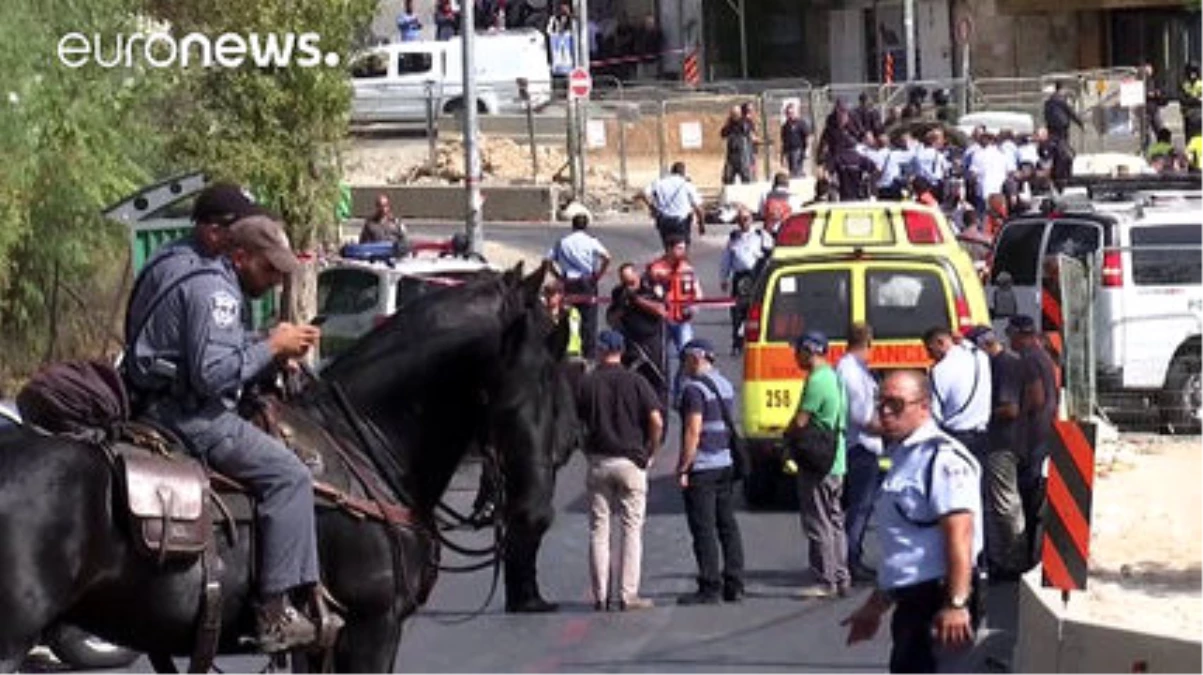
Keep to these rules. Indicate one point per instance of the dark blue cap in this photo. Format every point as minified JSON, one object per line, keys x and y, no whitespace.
{"x":1021,"y":324}
{"x":812,"y":341}
{"x":700,"y":345}
{"x":611,"y":341}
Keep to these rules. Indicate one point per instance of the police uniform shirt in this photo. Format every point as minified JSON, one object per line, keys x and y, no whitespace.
{"x":673,"y":196}
{"x":894,"y":165}
{"x":875,"y":155}
{"x":909,"y":506}
{"x":198,"y":327}
{"x":743,"y":251}
{"x":961,"y":389}
{"x":578,"y":254}
{"x":170,"y":263}
{"x":930,"y":164}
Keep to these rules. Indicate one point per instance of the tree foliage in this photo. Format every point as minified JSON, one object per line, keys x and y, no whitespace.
{"x":277,"y":129}
{"x":73,"y":141}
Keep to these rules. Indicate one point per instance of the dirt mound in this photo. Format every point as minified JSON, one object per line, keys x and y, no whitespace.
{"x":502,"y":160}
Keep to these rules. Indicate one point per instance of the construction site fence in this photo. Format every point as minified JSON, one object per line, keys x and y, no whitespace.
{"x":636,"y":132}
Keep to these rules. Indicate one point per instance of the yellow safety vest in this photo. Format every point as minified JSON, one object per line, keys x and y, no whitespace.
{"x":1195,"y":88}
{"x":1194,"y":150}
{"x":574,"y":332}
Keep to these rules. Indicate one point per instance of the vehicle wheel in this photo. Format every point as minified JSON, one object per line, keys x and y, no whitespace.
{"x":82,"y":650}
{"x":1182,"y":398}
{"x":454,"y":107}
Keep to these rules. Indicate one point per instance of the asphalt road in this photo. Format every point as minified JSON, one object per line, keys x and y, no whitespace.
{"x":771,"y":630}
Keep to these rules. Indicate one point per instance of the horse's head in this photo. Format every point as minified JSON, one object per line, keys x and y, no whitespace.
{"x":457,"y":366}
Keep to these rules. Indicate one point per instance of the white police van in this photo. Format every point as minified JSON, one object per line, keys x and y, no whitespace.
{"x":1148,"y":307}
{"x":369,"y":283}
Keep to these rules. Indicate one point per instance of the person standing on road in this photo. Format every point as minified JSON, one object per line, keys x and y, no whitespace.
{"x":1191,"y":102}
{"x":706,"y":476}
{"x":746,"y":247}
{"x":795,"y":137}
{"x":1035,"y":427}
{"x":775,"y":205}
{"x":960,"y":387}
{"x":739,"y":134}
{"x":639,"y":315}
{"x":673,"y":279}
{"x":581,"y":261}
{"x":621,"y":414}
{"x":674,"y":202}
{"x":862,"y":438}
{"x":823,"y":405}
{"x":383,"y":225}
{"x":1003,"y":504}
{"x":930,"y":529}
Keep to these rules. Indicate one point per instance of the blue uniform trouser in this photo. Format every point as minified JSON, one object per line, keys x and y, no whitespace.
{"x":277,"y":479}
{"x":862,"y":482}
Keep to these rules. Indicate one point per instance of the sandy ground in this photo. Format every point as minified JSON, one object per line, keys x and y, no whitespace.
{"x":1147,"y":539}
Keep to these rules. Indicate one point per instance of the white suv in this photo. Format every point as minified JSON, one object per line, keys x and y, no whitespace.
{"x":354,"y":296}
{"x":1148,"y":309}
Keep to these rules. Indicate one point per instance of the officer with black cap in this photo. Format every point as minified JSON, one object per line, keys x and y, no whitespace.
{"x":187,"y":360}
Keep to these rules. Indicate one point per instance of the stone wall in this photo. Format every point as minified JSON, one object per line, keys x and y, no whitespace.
{"x":1027,"y":45}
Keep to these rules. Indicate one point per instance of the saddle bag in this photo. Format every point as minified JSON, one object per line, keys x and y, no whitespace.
{"x":169,"y":520}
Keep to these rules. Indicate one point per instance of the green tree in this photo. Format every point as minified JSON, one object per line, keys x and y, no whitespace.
{"x":73,"y":141}
{"x":277,"y":129}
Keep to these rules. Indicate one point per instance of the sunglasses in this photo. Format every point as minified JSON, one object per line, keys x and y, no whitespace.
{"x":894,"y":406}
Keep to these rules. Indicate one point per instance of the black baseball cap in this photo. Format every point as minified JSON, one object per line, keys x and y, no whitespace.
{"x":224,"y":203}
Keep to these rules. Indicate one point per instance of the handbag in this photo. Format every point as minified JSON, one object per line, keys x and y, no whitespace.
{"x":741,"y":464}
{"x":812,"y":448}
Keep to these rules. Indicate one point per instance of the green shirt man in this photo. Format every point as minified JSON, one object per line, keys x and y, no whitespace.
{"x":824,"y":402}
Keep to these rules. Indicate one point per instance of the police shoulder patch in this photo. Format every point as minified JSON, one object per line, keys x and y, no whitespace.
{"x":225,"y":309}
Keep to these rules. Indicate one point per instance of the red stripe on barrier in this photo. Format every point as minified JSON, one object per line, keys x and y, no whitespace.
{"x":1055,"y":572}
{"x":1069,"y":512}
{"x":1079,"y":449}
{"x":712,"y":303}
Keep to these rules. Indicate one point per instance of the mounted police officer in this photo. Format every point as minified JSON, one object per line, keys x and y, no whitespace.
{"x":187,"y":359}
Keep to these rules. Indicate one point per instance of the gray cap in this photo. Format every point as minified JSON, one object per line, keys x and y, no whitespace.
{"x":261,"y":234}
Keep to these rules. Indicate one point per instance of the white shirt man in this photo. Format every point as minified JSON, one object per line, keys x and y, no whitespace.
{"x":961,"y":389}
{"x":990,"y":166}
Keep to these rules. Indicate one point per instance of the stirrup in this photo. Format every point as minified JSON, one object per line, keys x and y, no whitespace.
{"x":327,"y":622}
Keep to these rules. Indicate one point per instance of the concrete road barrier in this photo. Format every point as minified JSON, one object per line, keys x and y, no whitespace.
{"x":502,"y":203}
{"x":1051,"y":643}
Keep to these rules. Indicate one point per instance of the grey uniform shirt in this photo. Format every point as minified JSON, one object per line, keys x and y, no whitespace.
{"x":197,"y":327}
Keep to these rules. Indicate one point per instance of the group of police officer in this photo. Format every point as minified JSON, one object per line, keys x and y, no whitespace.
{"x":187,"y":360}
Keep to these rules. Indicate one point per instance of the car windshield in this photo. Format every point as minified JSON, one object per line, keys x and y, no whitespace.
{"x":347,"y":291}
{"x":810,"y":300}
{"x":903,"y":304}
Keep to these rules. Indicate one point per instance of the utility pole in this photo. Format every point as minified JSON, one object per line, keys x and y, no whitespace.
{"x":908,"y":20}
{"x":475,"y":229}
{"x":580,"y":36}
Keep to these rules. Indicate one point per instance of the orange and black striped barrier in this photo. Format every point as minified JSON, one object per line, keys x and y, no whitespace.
{"x":888,"y":68}
{"x":1052,"y":323}
{"x":1066,"y":545}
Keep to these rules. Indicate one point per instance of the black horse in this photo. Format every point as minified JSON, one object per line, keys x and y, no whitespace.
{"x":457,"y":366}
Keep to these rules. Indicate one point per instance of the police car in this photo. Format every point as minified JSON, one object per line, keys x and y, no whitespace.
{"x":361,"y":288}
{"x":895,"y":265}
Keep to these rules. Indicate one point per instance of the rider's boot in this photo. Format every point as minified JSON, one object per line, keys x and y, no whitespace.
{"x":281,"y":626}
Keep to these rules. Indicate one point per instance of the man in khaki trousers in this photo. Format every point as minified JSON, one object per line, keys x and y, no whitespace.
{"x":622,"y":414}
